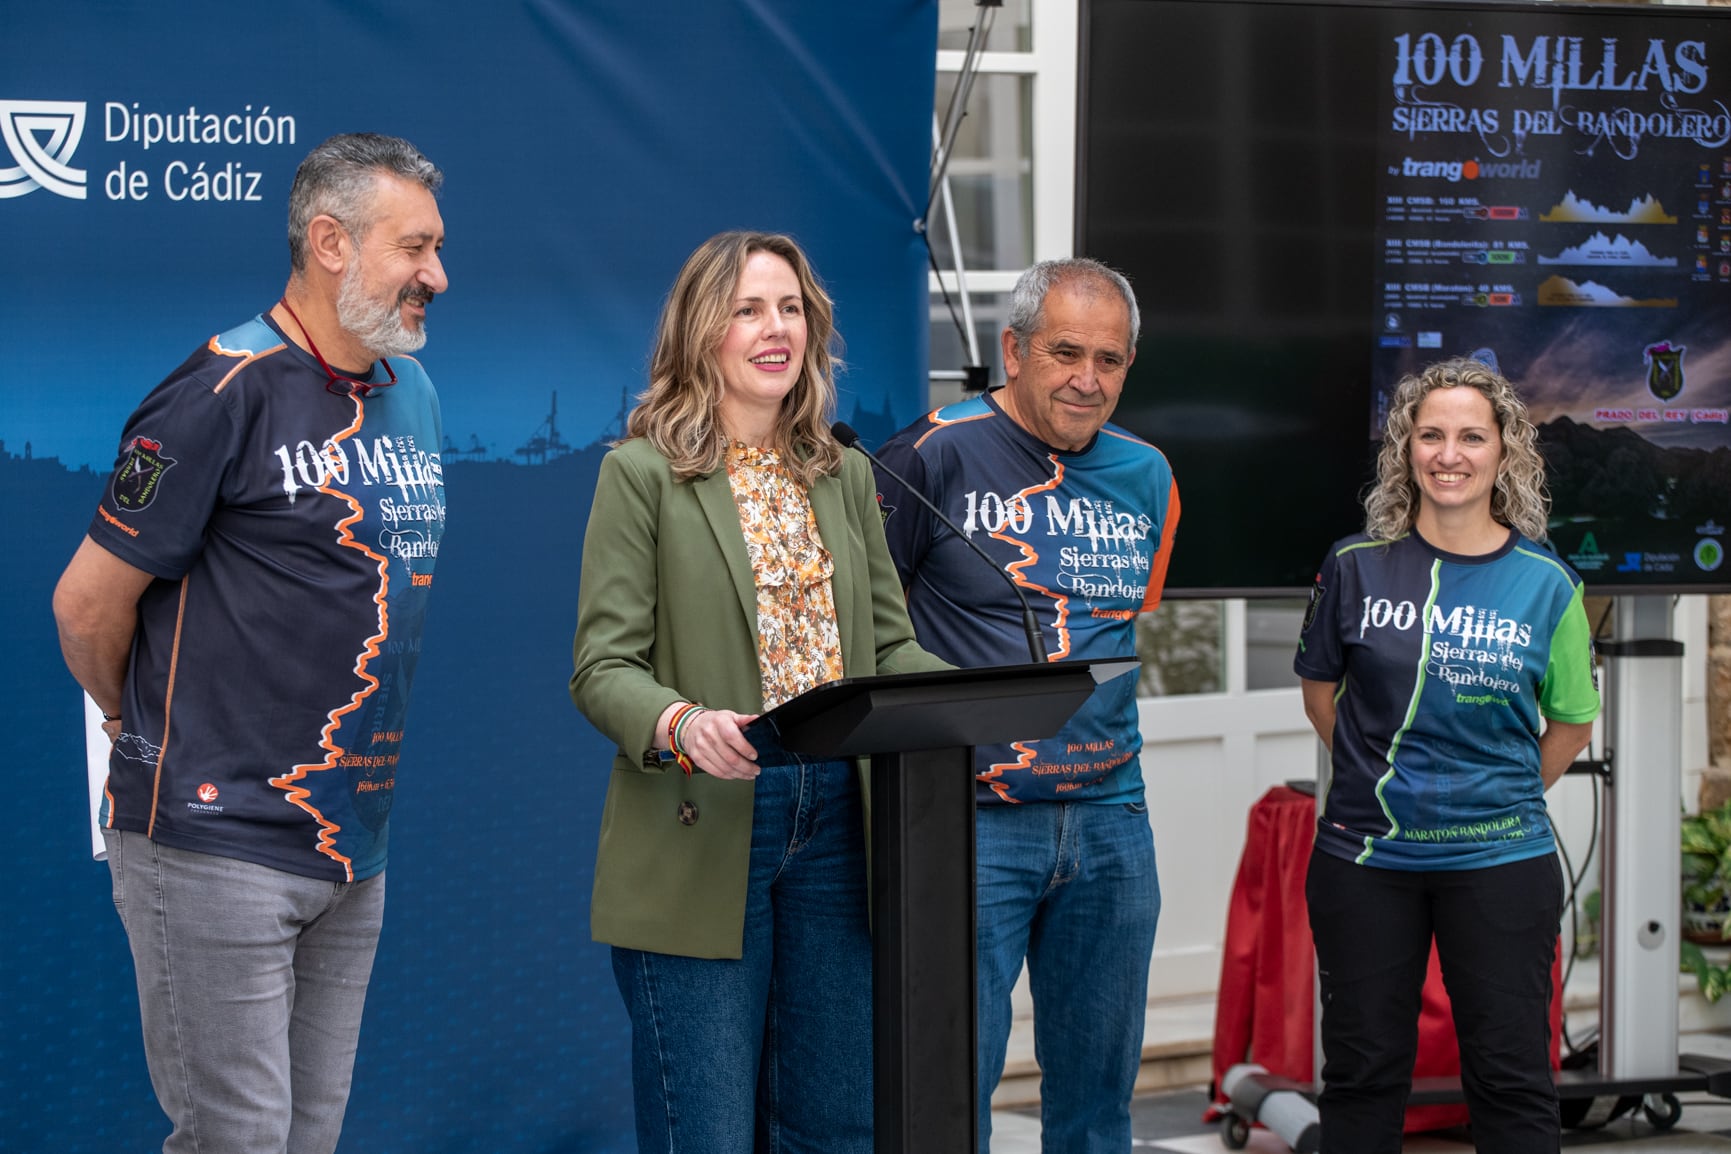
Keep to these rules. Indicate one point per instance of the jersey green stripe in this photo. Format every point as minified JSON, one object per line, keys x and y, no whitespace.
{"x":1411,"y":706}
{"x":1549,"y":560}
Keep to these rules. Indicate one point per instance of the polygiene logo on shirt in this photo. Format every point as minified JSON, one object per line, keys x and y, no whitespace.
{"x":139,"y":474}
{"x":207,"y":794}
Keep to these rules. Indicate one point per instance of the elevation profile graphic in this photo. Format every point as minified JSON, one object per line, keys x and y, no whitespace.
{"x":1560,"y":290}
{"x":1646,"y":210}
{"x":1611,"y":252}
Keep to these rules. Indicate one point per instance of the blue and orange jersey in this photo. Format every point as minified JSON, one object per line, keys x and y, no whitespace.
{"x":292,"y":535}
{"x":1086,"y":536}
{"x":1445,"y":665}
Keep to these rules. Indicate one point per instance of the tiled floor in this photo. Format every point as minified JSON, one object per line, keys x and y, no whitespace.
{"x":1172,"y":1122}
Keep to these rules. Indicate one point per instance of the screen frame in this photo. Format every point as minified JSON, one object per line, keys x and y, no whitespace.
{"x":1356,"y":388}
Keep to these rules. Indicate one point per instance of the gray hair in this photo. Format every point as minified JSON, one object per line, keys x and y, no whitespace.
{"x":1028,"y":298}
{"x":337,"y":180}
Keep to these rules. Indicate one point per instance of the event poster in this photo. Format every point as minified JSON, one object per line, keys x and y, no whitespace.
{"x":1559,"y":205}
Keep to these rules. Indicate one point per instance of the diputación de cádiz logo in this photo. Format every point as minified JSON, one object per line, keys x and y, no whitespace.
{"x":42,"y":135}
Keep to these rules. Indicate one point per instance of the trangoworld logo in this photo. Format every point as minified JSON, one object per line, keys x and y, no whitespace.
{"x":42,"y":135}
{"x":1474,"y":169}
{"x":139,"y":473}
{"x":1664,"y":363}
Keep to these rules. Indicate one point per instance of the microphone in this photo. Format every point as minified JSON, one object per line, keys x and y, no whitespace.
{"x":849,"y":439}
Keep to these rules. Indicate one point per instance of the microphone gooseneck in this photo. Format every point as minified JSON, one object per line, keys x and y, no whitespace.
{"x":849,"y":439}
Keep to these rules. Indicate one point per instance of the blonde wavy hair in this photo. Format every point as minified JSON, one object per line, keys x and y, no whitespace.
{"x":1519,"y":498}
{"x":678,"y":412}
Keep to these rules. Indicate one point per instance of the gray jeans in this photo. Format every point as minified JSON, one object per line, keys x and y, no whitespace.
{"x":251,"y":983}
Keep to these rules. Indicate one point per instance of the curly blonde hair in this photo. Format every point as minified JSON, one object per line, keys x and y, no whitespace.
{"x":1519,"y":498}
{"x":678,"y":412}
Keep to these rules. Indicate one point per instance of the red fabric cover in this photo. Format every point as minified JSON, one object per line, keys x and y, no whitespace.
{"x":1266,"y":1007}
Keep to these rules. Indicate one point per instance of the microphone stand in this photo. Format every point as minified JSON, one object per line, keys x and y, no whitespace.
{"x":849,"y":439}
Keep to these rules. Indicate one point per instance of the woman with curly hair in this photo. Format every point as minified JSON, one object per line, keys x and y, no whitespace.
{"x":735,"y":558}
{"x":1447,"y":664}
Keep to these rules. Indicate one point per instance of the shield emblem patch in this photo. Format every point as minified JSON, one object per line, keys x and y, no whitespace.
{"x":139,"y":473}
{"x":1316,"y":592}
{"x":1664,"y":369}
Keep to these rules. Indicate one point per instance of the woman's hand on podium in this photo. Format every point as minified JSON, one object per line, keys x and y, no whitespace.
{"x":713,"y":742}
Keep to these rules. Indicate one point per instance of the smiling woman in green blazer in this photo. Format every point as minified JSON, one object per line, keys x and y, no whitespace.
{"x":735,"y":552}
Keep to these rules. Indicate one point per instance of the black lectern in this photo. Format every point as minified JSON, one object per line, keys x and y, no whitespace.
{"x":920,"y":730}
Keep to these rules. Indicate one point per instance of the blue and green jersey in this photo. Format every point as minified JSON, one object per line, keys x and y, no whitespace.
{"x":1446,"y":665}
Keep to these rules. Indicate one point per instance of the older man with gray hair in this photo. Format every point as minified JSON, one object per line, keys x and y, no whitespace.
{"x":246,"y":612}
{"x":1080,"y":514}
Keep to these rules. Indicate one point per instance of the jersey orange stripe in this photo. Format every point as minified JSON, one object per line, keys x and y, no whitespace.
{"x":941,"y":423}
{"x":1024,"y":758}
{"x":1163,"y":555}
{"x":167,"y":712}
{"x":291,"y":782}
{"x":1030,"y":555}
{"x":247,"y":358}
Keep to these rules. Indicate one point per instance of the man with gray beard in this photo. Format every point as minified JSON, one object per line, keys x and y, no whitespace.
{"x":246,"y":612}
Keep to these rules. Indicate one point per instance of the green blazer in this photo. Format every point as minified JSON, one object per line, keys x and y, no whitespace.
{"x":666,"y":612}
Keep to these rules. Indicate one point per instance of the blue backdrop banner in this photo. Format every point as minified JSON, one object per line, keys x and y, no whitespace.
{"x":146,"y":153}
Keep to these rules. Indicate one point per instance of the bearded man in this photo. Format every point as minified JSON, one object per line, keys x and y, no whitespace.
{"x":246,"y":612}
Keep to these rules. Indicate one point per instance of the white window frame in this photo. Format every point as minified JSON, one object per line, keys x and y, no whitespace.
{"x":1053,"y":64}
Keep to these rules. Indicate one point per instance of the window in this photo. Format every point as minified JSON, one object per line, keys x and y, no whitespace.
{"x":990,"y":174}
{"x":1180,"y":645}
{"x":1011,"y":26}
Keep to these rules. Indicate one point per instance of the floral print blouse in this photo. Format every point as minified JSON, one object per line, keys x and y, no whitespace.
{"x":798,"y":644}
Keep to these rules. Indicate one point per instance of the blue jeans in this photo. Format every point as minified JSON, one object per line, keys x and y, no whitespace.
{"x":1074,"y":889}
{"x":770,"y":1052}
{"x":250,"y":985}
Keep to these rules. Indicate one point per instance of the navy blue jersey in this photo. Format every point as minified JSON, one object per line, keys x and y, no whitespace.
{"x":1087,"y":536}
{"x":292,"y":533}
{"x":1446,"y":665}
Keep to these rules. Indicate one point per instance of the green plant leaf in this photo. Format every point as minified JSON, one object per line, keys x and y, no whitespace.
{"x":1699,"y":865}
{"x":1696,"y":837}
{"x":1703,"y":895}
{"x":1713,"y":980}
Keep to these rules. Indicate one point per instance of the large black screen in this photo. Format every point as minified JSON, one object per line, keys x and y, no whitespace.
{"x":1315,"y":198}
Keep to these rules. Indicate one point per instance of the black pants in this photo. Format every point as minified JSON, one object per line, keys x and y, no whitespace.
{"x":1496,"y":935}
